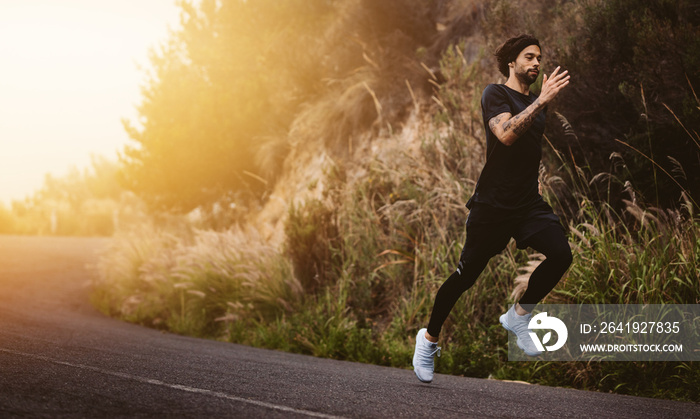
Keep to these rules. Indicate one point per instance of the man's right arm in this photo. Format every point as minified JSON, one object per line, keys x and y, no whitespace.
{"x":508,"y":128}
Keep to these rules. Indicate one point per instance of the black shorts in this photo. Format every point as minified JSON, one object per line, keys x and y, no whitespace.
{"x":490,"y":229}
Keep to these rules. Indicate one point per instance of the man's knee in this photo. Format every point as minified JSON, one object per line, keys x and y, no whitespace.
{"x":562,"y":256}
{"x":472,"y":262}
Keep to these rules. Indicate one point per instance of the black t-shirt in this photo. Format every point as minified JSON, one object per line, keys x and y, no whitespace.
{"x":509,"y":177}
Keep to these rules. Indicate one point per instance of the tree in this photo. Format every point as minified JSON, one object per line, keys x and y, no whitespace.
{"x":220,"y":88}
{"x":229,"y":86}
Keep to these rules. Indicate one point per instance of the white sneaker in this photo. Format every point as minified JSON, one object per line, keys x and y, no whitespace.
{"x":423,"y":361}
{"x":518,"y":324}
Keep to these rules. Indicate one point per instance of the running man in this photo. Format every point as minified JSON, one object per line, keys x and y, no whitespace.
{"x":506,"y":201}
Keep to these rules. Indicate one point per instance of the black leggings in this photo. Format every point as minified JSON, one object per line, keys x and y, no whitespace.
{"x":551,"y":242}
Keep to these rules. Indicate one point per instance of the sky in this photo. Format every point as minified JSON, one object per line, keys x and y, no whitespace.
{"x":70,"y":70}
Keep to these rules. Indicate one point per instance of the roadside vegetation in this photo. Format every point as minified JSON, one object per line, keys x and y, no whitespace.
{"x":395,"y":103}
{"x":90,"y":202}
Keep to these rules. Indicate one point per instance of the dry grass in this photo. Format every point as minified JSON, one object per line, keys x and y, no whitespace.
{"x":191,"y":284}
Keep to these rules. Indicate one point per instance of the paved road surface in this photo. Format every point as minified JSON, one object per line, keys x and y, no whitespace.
{"x":61,"y":358}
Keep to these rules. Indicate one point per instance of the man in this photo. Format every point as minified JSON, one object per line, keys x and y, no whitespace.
{"x":506,"y":201}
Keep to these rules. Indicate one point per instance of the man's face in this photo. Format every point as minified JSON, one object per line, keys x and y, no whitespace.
{"x":527,"y":66}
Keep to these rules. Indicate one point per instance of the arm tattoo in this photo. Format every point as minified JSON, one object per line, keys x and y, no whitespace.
{"x":521,"y":122}
{"x":493,"y":122}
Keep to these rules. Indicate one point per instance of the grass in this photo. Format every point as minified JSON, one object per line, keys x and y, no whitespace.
{"x":196,"y":283}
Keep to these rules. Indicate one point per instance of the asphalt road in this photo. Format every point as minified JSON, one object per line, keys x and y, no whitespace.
{"x":59,"y":357}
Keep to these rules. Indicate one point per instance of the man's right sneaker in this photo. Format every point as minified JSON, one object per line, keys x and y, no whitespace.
{"x":423,"y":361}
{"x":518,"y":324}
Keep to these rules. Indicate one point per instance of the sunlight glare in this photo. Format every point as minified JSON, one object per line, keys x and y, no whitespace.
{"x":69,"y":73}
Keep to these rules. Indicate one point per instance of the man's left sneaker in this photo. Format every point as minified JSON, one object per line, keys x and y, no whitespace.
{"x":518,"y":324}
{"x":423,"y":361}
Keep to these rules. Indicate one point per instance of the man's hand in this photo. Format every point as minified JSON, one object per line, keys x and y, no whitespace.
{"x":553,"y":84}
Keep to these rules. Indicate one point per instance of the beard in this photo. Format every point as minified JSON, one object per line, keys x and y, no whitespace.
{"x":527,"y":76}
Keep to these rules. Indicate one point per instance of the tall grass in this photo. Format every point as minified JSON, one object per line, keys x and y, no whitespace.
{"x":638,"y":254}
{"x":197,"y":282}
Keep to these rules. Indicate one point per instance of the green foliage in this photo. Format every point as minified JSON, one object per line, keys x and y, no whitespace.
{"x":312,"y":234}
{"x":655,"y":263}
{"x":638,"y":63}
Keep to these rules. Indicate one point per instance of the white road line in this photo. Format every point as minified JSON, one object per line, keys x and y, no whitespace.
{"x":175,"y":386}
